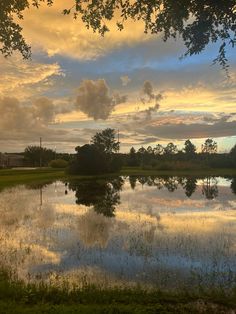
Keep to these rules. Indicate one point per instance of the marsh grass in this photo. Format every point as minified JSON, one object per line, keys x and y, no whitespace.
{"x":19,"y":297}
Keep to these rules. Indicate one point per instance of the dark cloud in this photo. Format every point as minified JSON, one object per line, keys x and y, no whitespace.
{"x":182,"y":131}
{"x":96,"y":100}
{"x":148,"y":90}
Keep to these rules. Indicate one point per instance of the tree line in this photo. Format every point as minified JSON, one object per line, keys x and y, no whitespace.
{"x":164,"y":156}
{"x":102,"y":155}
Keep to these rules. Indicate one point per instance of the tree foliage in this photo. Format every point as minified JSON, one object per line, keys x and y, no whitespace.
{"x":189,"y":148}
{"x":209,"y":147}
{"x":106,"y":141}
{"x":98,"y":157}
{"x":197,"y":22}
{"x":33,"y":154}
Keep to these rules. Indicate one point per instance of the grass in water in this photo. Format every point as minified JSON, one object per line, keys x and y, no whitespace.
{"x":18,"y":297}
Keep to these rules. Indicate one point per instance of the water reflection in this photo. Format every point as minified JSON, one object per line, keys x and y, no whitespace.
{"x":146,"y":230}
{"x":103,"y":195}
{"x":210,"y":188}
{"x":189,"y":184}
{"x":233,"y":185}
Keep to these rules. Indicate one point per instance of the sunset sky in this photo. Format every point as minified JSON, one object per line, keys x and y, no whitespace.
{"x":78,"y":82}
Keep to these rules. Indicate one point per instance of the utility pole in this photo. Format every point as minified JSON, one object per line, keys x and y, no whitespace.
{"x":40,"y":153}
{"x":118,"y":136}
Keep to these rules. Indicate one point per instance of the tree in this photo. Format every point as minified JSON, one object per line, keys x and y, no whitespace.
{"x":209,"y":147}
{"x":150,"y":150}
{"x":132,"y":158}
{"x":98,"y":157}
{"x":232,"y":155}
{"x":170,"y":149}
{"x":189,"y":148}
{"x":233,"y":151}
{"x":106,"y":141}
{"x":158,"y":150}
{"x":33,"y":154}
{"x":89,"y":160}
{"x":197,"y":22}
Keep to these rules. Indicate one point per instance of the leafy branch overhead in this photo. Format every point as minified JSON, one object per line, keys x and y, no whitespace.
{"x":197,"y":22}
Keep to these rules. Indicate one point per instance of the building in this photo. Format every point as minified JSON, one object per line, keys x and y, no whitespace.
{"x":11,"y":160}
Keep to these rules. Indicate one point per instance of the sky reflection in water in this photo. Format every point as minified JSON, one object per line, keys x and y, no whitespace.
{"x":156,"y":231}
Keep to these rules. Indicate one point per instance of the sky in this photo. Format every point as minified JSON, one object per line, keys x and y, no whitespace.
{"x":78,"y":83}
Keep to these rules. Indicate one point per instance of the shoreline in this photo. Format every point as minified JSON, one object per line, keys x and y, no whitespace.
{"x":13,"y":177}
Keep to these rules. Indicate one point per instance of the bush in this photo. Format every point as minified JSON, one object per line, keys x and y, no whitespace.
{"x":58,"y":163}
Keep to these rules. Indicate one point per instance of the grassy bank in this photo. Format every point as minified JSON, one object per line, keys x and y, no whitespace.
{"x":13,"y":177}
{"x":136,"y":171}
{"x":17,"y":297}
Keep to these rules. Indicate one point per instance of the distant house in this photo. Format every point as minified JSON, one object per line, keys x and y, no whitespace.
{"x":11,"y":160}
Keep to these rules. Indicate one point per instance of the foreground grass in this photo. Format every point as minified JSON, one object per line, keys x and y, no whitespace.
{"x":17,"y":297}
{"x":12,"y":177}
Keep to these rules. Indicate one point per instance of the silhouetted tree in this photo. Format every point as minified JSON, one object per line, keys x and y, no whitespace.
{"x":149,"y":150}
{"x":170,"y":149}
{"x":209,"y":147}
{"x":106,"y":141}
{"x":189,"y":148}
{"x":132,"y":158}
{"x":99,"y":157}
{"x":89,"y":160}
{"x":197,"y":22}
{"x":158,"y":150}
{"x":33,"y":154}
{"x":232,"y":155}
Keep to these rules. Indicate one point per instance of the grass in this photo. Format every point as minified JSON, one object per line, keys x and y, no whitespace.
{"x":178,"y":172}
{"x":17,"y":297}
{"x":12,"y":177}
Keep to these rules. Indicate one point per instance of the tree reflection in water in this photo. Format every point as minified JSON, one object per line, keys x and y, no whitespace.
{"x":209,"y":188}
{"x":233,"y":185}
{"x":103,"y":195}
{"x":189,"y":184}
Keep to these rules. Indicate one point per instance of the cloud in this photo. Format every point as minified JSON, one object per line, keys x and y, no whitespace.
{"x":26,"y":78}
{"x":149,"y":95}
{"x":183,"y":131}
{"x":25,"y":122}
{"x":125,"y":80}
{"x":148,"y":90}
{"x":47,"y":29}
{"x":96,"y":100}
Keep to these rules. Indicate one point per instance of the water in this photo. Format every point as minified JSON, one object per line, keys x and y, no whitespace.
{"x":152,"y":231}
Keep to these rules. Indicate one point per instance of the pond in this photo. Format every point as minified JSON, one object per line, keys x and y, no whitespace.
{"x":163,"y":232}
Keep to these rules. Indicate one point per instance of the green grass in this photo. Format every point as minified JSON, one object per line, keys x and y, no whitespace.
{"x":178,"y":172}
{"x":17,"y":297}
{"x":12,"y":177}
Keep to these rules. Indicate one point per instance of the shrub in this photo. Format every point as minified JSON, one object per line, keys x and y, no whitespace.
{"x":58,"y":163}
